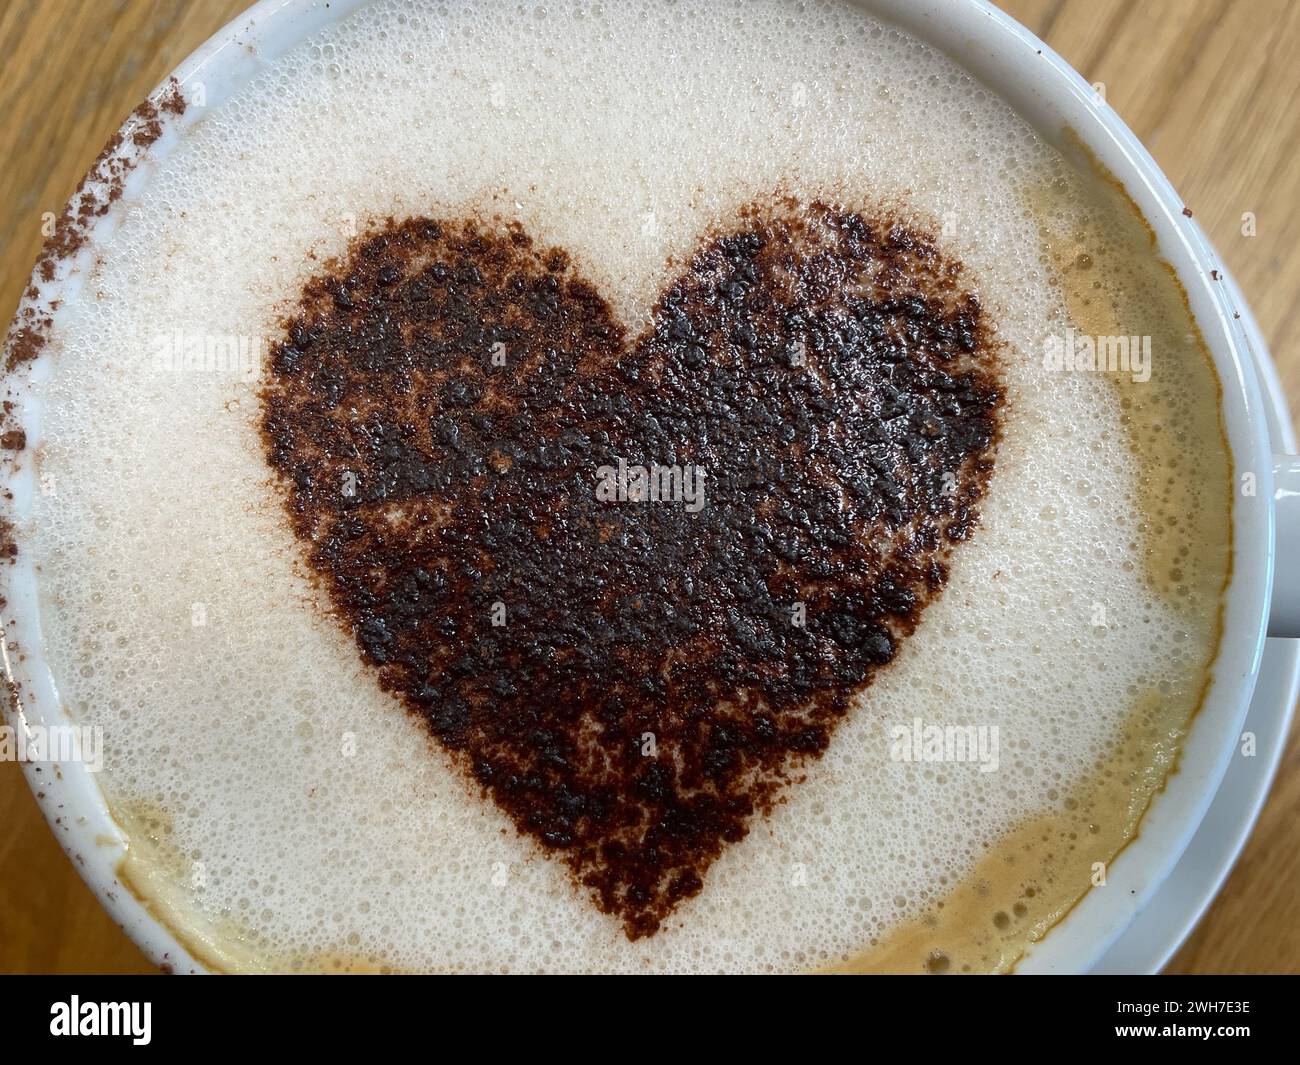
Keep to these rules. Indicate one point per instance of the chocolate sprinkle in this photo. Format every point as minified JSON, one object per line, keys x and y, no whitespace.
{"x":100,"y":188}
{"x":633,"y":682}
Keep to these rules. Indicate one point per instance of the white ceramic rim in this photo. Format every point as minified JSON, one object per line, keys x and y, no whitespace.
{"x":1042,"y":87}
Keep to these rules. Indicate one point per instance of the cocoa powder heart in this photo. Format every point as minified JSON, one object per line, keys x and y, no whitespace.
{"x":634,"y":681}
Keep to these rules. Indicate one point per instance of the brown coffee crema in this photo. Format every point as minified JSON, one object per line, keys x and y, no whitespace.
{"x":633,"y":673}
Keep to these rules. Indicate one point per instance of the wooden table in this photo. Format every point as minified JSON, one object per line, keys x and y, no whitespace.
{"x":1209,"y":85}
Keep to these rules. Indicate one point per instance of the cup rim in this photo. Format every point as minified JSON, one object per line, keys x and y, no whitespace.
{"x":1041,"y":86}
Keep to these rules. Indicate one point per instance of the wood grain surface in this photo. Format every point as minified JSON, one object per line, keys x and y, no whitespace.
{"x":1209,"y":85}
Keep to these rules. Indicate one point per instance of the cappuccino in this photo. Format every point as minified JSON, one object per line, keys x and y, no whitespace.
{"x":275,"y":582}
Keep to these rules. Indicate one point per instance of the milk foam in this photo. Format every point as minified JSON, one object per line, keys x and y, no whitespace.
{"x":295,"y":812}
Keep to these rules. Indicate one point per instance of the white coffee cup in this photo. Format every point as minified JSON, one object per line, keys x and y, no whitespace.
{"x":1263,"y":598}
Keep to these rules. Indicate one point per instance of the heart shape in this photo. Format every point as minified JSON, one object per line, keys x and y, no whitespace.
{"x":634,"y":681}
